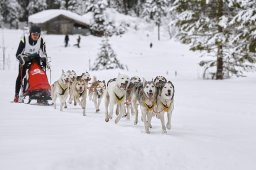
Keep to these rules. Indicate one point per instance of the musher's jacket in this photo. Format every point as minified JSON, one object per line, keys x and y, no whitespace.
{"x":28,"y":46}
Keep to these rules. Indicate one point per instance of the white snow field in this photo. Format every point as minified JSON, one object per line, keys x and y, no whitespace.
{"x":213,"y":123}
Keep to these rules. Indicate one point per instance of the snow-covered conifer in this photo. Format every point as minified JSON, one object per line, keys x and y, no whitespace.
{"x":35,"y":6}
{"x":156,"y":10}
{"x":106,"y":58}
{"x":70,"y":5}
{"x":206,"y":26}
{"x":10,"y":11}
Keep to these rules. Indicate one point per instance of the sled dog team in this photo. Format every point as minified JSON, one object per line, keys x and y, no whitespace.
{"x":123,"y":96}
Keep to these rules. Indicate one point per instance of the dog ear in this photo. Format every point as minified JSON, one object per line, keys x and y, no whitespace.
{"x":165,"y":79}
{"x":144,"y":82}
{"x":63,"y":71}
{"x":155,"y":79}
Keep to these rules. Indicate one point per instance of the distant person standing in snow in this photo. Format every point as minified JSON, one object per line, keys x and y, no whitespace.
{"x":151,"y":45}
{"x":31,"y":45}
{"x":66,"y":40}
{"x":78,"y":42}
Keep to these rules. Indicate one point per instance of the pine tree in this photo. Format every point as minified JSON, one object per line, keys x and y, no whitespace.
{"x":24,"y":11}
{"x":98,"y":8}
{"x":106,"y":58}
{"x":35,"y":6}
{"x":10,"y":10}
{"x":70,"y":5}
{"x":156,"y":10}
{"x":205,"y":25}
{"x":244,"y":36}
{"x":82,"y":6}
{"x":53,"y":4}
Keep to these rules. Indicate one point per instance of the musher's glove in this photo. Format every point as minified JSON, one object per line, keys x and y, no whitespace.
{"x":22,"y":58}
{"x":48,"y":66}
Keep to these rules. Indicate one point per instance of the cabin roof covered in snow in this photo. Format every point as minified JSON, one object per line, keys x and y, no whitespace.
{"x":46,"y":15}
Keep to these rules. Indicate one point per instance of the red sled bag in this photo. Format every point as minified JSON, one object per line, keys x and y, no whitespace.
{"x":37,"y":78}
{"x":37,"y":86}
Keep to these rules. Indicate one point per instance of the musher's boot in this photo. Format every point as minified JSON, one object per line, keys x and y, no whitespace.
{"x":16,"y":99}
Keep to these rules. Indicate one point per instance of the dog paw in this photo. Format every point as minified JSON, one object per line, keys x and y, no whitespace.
{"x":97,"y":110}
{"x":106,"y":119}
{"x":168,"y":126}
{"x":136,"y":122}
{"x":164,"y":132}
{"x":147,"y":132}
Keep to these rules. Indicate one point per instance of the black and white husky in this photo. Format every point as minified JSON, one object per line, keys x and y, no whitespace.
{"x":165,"y":103}
{"x":115,"y":95}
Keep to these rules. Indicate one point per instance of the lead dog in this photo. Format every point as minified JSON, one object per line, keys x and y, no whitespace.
{"x":165,"y":102}
{"x":147,"y":100}
{"x":115,"y":95}
{"x":60,"y":89}
{"x":96,"y":91}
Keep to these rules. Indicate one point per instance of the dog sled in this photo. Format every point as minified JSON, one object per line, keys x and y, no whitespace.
{"x":35,"y":83}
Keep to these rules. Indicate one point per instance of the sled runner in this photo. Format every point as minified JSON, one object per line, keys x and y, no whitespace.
{"x":35,"y":83}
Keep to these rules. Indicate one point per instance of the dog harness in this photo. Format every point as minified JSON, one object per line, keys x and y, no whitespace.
{"x":119,"y":100}
{"x":166,"y":107}
{"x":149,"y":108}
{"x":63,"y":89}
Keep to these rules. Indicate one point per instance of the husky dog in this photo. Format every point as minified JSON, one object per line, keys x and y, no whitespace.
{"x":147,"y":101}
{"x":79,"y":93}
{"x":85,"y":77}
{"x":115,"y":95}
{"x":159,"y":82}
{"x":165,"y":102}
{"x":72,"y":77}
{"x":131,"y":101}
{"x":96,"y":92}
{"x":60,"y":89}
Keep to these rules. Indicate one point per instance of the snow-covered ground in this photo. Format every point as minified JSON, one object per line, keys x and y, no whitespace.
{"x":213,"y":125}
